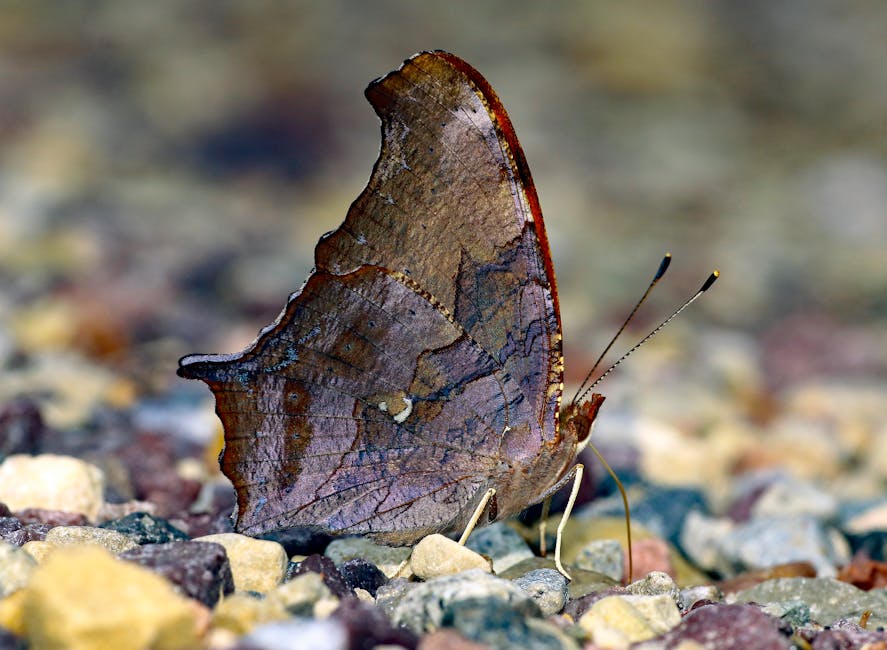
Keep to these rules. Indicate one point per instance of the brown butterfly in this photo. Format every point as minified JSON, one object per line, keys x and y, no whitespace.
{"x":416,"y":378}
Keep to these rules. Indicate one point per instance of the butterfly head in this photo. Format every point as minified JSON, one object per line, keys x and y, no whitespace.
{"x":577,"y":418}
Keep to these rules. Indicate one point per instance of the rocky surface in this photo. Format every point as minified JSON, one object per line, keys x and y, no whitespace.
{"x":164,"y":178}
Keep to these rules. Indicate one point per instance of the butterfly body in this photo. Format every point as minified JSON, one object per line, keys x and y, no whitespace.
{"x":420,"y":364}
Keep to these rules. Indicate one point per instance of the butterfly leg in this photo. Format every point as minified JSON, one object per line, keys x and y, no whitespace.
{"x":543,"y":526}
{"x":577,"y":471}
{"x":477,"y":513}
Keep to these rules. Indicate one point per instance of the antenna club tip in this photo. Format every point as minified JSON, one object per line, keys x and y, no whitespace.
{"x":711,"y":280}
{"x":663,"y":267}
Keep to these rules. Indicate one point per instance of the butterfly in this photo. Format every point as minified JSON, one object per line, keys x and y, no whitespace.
{"x":415,"y":380}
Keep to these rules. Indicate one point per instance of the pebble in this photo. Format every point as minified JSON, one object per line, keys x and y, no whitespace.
{"x":51,"y":482}
{"x":787,"y":496}
{"x":870,"y":518}
{"x":422,"y":607}
{"x":22,"y":430}
{"x":765,"y":542}
{"x":604,"y":556}
{"x":256,"y":564}
{"x":298,"y":634}
{"x":618,"y":621}
{"x":324,"y":567}
{"x":305,"y":595}
{"x":242,"y":611}
{"x":448,"y":639}
{"x":724,"y":627}
{"x":85,"y":599}
{"x":369,"y":627}
{"x":501,"y":543}
{"x":656,"y":583}
{"x":38,"y":549}
{"x":360,"y":574}
{"x":702,"y":539}
{"x":389,"y":559}
{"x":110,"y":540}
{"x":547,"y":587}
{"x":436,"y":555}
{"x":16,"y":567}
{"x":827,"y":598}
{"x":512,"y":628}
{"x":198,"y":570}
{"x":145,"y":528}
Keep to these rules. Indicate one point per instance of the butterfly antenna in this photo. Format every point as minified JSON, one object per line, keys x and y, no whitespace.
{"x":663,"y":267}
{"x":705,"y":287}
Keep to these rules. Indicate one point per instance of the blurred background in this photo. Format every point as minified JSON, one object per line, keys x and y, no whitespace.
{"x":167,"y":168}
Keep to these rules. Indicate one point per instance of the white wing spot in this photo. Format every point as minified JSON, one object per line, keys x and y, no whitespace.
{"x":405,"y":413}
{"x":383,"y":406}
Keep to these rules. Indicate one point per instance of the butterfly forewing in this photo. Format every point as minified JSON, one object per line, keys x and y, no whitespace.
{"x":420,"y":363}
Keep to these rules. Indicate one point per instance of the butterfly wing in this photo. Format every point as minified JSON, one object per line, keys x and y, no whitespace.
{"x":420,"y":362}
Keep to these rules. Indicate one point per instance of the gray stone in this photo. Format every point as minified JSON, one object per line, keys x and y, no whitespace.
{"x":501,"y":543}
{"x":693,"y":595}
{"x":767,"y":542}
{"x":656,"y":583}
{"x":547,"y":587}
{"x":497,"y":624}
{"x":827,"y":598}
{"x":795,"y":612}
{"x":422,"y":608}
{"x":603,"y":556}
{"x":389,"y":559}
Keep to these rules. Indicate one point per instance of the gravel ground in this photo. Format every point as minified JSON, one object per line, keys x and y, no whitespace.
{"x":164,"y":177}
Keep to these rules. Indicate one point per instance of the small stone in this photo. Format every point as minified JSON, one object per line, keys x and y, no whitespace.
{"x":436,"y":555}
{"x":16,"y":567}
{"x":389,"y":559}
{"x":52,"y":518}
{"x":761,"y":543}
{"x":145,"y":528}
{"x":868,"y":519}
{"x":603,"y":556}
{"x":256,"y":564}
{"x":699,"y":593}
{"x":369,"y":627}
{"x":305,"y":595}
{"x":501,"y":543}
{"x":702,"y":541}
{"x":110,"y":540}
{"x":51,"y":482}
{"x":85,"y":599}
{"x":298,"y":635}
{"x":827,"y":598}
{"x":724,"y":626}
{"x":324,"y":567}
{"x":547,"y":587}
{"x":651,"y":556}
{"x":422,"y":607}
{"x":360,"y":574}
{"x":512,"y":628}
{"x":21,"y":428}
{"x":199,"y":570}
{"x":795,"y":612}
{"x":864,"y":573}
{"x":242,"y":611}
{"x":654,"y":584}
{"x":38,"y":549}
{"x":614,"y":622}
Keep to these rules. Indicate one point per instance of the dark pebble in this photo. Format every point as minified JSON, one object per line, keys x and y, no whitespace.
{"x":733,"y":627}
{"x":843,"y":634}
{"x":368,"y":626}
{"x":873,"y":544}
{"x":51,"y":517}
{"x":327,"y":570}
{"x":360,"y":573}
{"x":576,"y":607}
{"x":199,"y":570}
{"x":12,"y":530}
{"x":299,"y":540}
{"x":151,"y":460}
{"x":146,"y":529}
{"x":22,"y":430}
{"x":9,"y":641}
